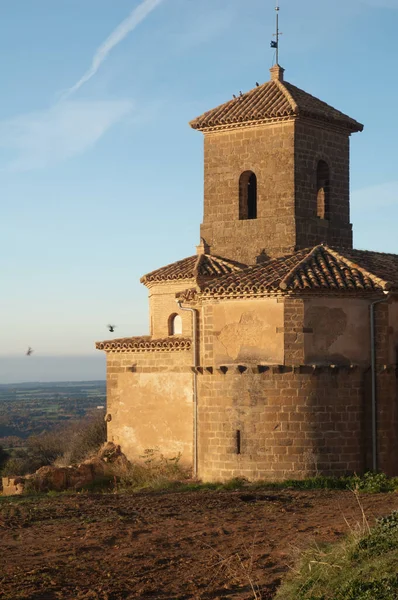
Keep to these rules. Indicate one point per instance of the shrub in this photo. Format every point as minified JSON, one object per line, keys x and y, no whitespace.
{"x":65,"y":445}
{"x":4,"y":456}
{"x":85,"y":438}
{"x":374,"y":482}
{"x":20,"y":463}
{"x":47,"y":447}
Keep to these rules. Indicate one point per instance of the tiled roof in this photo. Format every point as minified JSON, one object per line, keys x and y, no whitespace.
{"x":275,"y":99}
{"x":145,"y":344}
{"x":381,"y":264}
{"x":320,"y":269}
{"x":194,"y":267}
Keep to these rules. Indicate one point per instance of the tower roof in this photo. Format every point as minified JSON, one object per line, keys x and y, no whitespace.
{"x":274,"y":100}
{"x":203,"y":266}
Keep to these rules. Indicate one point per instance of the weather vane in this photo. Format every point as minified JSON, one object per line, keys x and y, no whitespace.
{"x":275,"y":43}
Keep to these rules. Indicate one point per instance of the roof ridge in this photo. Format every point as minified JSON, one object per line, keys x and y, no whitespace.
{"x":197,"y":265}
{"x":284,"y":284}
{"x":226,"y":261}
{"x":288,"y":96}
{"x":145,"y":277}
{"x":340,"y":113}
{"x":385,"y":284}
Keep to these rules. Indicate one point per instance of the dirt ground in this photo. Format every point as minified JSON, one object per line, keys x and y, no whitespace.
{"x":196,"y":545}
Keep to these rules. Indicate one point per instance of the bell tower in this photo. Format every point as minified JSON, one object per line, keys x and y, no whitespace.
{"x":276,"y":173}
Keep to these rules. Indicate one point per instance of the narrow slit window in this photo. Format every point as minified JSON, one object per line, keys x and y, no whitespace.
{"x":238,"y":441}
{"x":248,"y":196}
{"x":323,"y":190}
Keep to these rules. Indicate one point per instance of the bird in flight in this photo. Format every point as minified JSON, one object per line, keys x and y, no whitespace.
{"x":29,"y":351}
{"x":111,"y":328}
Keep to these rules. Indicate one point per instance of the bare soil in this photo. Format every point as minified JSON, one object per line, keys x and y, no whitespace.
{"x":187,"y":545}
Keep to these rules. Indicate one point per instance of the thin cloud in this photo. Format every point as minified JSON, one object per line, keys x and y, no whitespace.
{"x":118,"y":35}
{"x":66,"y":129}
{"x":45,"y":138}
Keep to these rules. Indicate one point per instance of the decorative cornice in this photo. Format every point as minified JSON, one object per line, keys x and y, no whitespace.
{"x":247,"y":124}
{"x":145,"y":344}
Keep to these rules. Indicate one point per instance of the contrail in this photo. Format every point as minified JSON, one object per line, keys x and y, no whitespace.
{"x":121,"y":31}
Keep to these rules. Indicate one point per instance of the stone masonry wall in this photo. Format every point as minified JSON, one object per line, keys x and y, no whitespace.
{"x":268,"y":151}
{"x":235,"y":331}
{"x":294,"y":331}
{"x":386,"y":389}
{"x":293,"y":422}
{"x":313,"y":143}
{"x":298,"y":412}
{"x":149,"y":402}
{"x":162,"y":304}
{"x":338,"y":331}
{"x":284,"y":156}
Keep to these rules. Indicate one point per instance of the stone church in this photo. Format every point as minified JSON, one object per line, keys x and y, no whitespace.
{"x":272,"y":351}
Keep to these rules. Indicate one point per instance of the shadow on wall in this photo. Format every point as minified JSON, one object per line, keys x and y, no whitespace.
{"x":262,"y":257}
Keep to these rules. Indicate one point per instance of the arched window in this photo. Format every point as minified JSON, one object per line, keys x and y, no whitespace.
{"x":175,"y":324}
{"x":248,"y":195}
{"x":322,"y":191}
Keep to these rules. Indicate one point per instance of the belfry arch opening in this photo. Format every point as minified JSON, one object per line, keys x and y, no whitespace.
{"x":322,"y":190}
{"x":248,"y":195}
{"x":175,"y":324}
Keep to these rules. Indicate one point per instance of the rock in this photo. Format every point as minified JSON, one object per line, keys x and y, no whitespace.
{"x":13,"y":486}
{"x":113,"y":458}
{"x":50,"y":478}
{"x":97,"y":466}
{"x":74,"y":477}
{"x":111,"y":453}
{"x":80,"y":476}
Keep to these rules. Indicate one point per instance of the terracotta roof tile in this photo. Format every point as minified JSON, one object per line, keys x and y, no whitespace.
{"x":272,"y":100}
{"x":145,"y":344}
{"x":202,"y":266}
{"x":381,"y":264}
{"x":318,"y":269}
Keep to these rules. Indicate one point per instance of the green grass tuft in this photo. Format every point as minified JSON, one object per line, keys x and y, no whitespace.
{"x":361,"y":567}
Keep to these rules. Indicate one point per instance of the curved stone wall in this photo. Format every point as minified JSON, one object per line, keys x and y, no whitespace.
{"x":293,"y":422}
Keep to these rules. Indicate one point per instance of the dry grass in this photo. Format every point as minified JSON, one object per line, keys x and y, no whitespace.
{"x":238,"y":568}
{"x":155,"y":471}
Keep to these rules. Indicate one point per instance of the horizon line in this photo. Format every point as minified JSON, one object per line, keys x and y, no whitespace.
{"x":55,"y":382}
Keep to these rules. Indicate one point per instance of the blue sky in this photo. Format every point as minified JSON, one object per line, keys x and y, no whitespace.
{"x":100,"y":174}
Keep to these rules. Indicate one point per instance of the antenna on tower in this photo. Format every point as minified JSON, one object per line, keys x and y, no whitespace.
{"x":275,"y":43}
